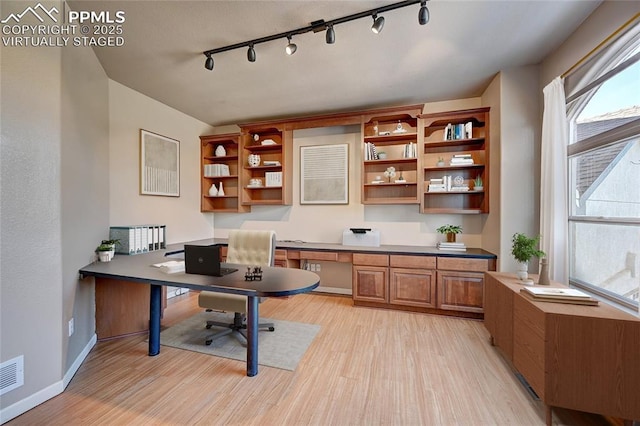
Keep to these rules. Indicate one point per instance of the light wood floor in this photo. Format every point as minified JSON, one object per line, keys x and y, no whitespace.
{"x":365,"y":367}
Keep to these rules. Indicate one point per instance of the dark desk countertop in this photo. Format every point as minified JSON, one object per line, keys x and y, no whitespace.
{"x":473,"y":253}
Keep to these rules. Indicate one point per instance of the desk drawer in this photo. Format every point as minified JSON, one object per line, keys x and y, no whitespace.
{"x":418,"y":262}
{"x":461,"y":264}
{"x":529,"y":343}
{"x":330,"y":256}
{"x":370,"y":259}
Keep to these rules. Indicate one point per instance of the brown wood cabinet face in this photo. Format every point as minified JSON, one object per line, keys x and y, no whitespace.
{"x":412,"y":287}
{"x":498,"y":314}
{"x":461,"y":291}
{"x":529,"y":343}
{"x":370,"y":283}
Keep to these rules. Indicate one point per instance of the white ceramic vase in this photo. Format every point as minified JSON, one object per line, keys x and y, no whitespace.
{"x":523,"y":271}
{"x":254,"y":160}
{"x":213,"y":191}
{"x":221,"y":190}
{"x":220,"y":151}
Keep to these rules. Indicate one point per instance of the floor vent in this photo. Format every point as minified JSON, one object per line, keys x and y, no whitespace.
{"x":527,"y":386}
{"x":11,"y":374}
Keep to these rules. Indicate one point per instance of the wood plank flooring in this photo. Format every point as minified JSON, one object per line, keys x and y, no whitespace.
{"x":365,"y":367}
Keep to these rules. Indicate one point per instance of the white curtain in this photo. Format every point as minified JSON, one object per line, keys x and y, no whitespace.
{"x":553,"y":186}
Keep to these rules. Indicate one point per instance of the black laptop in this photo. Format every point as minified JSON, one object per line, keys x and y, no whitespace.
{"x":204,"y":260}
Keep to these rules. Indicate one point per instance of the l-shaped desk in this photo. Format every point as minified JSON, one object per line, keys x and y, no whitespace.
{"x":276,"y":282}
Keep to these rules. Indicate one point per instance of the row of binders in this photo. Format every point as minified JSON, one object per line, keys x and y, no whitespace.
{"x":138,"y":239}
{"x":213,"y":170}
{"x":458,"y":131}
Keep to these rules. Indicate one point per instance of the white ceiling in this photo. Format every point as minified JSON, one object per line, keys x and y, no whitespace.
{"x":454,"y":56}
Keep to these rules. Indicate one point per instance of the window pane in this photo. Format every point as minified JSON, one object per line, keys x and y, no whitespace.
{"x":615,"y":102}
{"x":606,"y":181}
{"x":606,"y":256}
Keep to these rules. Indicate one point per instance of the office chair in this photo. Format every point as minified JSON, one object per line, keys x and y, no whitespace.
{"x":246,"y":247}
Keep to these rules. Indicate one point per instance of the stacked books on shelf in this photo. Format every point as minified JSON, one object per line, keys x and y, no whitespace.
{"x":409,"y":150}
{"x":461,"y":160}
{"x":443,"y":245}
{"x":558,"y":295}
{"x":437,"y":185}
{"x":213,"y":170}
{"x":370,"y":152}
{"x":446,"y":184}
{"x":458,"y":131}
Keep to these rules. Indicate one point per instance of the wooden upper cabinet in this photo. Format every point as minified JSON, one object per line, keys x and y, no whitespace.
{"x":219,"y":165}
{"x":455,"y":152}
{"x":267,"y":178}
{"x":390,"y":140}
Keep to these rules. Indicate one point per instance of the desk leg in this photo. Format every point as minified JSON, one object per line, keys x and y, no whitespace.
{"x":155,"y":307}
{"x":252,"y":336}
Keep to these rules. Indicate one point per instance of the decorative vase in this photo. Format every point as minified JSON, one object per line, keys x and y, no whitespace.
{"x":543,"y":278}
{"x":220,"y":151}
{"x":451,"y":237}
{"x":221,"y":191}
{"x":523,"y":271}
{"x":254,"y":160}
{"x":213,"y":191}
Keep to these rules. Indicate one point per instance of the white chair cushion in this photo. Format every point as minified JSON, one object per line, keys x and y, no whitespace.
{"x":250,"y":247}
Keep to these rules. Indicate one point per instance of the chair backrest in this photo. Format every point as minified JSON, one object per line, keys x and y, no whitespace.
{"x":251,"y":247}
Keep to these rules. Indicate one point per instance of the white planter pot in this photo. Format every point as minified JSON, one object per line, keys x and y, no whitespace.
{"x":104,"y":256}
{"x":523,"y":271}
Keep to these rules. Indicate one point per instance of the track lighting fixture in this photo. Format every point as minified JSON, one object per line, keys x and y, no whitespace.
{"x":251,"y":53}
{"x":423,"y":14}
{"x":331,"y":35}
{"x":291,"y":47}
{"x":378,"y":23}
{"x":319,"y":26}
{"x":208,"y":63}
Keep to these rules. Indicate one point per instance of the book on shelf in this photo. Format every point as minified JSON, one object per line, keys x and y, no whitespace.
{"x":409,"y":150}
{"x":558,"y":295}
{"x":443,"y":245}
{"x":458,"y":131}
{"x":273,"y":179}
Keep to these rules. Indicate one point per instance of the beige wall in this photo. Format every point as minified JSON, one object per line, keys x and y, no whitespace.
{"x":130,"y":111}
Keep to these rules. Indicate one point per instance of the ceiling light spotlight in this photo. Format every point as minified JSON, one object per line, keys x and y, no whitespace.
{"x":378,"y":23}
{"x":331,"y":35}
{"x":251,"y":53}
{"x":291,"y":47}
{"x":423,"y":15}
{"x":208,"y":63}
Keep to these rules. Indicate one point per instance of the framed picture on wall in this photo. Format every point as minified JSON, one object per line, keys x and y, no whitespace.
{"x":324,"y":174}
{"x":159,"y":165}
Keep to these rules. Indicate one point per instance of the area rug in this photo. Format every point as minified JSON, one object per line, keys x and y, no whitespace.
{"x":282,"y":348}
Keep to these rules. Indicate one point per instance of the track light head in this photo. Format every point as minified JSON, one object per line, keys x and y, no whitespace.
{"x":208,"y":63}
{"x":291,"y":47}
{"x":378,"y":23}
{"x":251,"y":53}
{"x":331,"y":35}
{"x":423,"y":14}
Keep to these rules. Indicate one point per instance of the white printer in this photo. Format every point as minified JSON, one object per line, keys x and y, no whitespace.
{"x":361,"y":237}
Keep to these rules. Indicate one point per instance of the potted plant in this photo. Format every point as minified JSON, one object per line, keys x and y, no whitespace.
{"x":478,"y":184}
{"x":112,"y":244}
{"x":523,"y":249}
{"x":104,"y":252}
{"x":440,"y":162}
{"x":450,"y":231}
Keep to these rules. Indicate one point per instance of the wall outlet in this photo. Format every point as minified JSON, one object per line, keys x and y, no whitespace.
{"x":71,"y":327}
{"x":317,"y":267}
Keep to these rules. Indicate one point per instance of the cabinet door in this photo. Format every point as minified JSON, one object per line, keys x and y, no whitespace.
{"x":461,"y":291}
{"x":370,"y":283}
{"x":412,"y":287}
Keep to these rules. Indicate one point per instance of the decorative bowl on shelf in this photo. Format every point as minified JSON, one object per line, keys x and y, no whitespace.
{"x":255,"y":183}
{"x":254,"y":160}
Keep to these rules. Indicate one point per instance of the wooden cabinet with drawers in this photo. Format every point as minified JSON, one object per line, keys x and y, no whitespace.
{"x":461,"y":284}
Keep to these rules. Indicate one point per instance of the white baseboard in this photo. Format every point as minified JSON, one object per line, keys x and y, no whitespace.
{"x":26,"y":404}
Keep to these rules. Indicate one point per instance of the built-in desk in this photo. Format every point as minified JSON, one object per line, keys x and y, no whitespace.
{"x":584,"y":358}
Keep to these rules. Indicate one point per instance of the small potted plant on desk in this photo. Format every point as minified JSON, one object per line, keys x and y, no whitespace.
{"x":113,"y":244}
{"x":523,"y":249}
{"x":104,"y":252}
{"x":450,"y":231}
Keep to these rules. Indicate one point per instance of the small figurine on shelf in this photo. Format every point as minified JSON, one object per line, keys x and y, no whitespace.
{"x":390,"y":173}
{"x":253,"y":274}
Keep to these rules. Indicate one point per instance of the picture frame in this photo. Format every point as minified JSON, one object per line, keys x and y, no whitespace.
{"x":324,"y":174}
{"x":159,"y":165}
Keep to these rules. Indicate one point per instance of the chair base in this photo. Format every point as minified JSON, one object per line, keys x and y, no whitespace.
{"x":239,"y":326}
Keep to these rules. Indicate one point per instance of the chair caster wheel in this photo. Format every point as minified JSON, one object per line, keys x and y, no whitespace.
{"x":208,"y":326}
{"x":272,"y":329}
{"x":208,"y":342}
